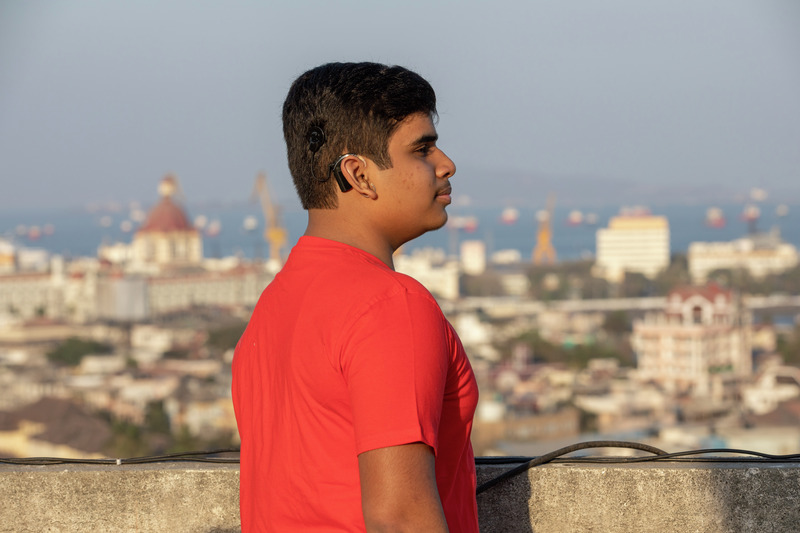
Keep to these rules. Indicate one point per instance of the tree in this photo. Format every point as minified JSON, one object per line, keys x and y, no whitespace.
{"x":617,"y":323}
{"x":225,"y":337}
{"x":789,"y":347}
{"x":156,"y":419}
{"x":71,"y":351}
{"x":486,"y":284}
{"x":577,"y":356}
{"x":127,"y":440}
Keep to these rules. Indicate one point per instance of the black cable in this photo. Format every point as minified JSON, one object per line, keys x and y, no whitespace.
{"x":536,"y":461}
{"x":195,"y":456}
{"x":524,"y":463}
{"x":671,"y":457}
{"x":659,"y":456}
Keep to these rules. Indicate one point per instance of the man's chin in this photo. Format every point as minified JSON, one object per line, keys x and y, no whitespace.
{"x":442,"y":223}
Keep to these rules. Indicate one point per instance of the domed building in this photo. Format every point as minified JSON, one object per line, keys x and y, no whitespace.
{"x":167,"y":237}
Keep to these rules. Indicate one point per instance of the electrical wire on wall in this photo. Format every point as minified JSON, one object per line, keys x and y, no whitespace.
{"x":523,"y":464}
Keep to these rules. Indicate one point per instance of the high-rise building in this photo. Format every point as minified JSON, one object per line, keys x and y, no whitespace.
{"x":473,"y":257}
{"x":634,"y":241}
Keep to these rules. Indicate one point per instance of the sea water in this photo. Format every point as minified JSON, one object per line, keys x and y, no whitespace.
{"x":79,"y":232}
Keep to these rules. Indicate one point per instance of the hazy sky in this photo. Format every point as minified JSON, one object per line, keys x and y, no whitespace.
{"x":609,"y":101}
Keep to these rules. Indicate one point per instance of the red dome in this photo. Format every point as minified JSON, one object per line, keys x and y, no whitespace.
{"x":166,"y":217}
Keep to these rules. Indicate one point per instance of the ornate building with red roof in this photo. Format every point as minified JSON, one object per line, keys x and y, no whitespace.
{"x":700,"y":343}
{"x":167,"y":237}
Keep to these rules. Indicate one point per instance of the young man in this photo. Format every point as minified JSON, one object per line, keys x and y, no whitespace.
{"x":353,"y":395}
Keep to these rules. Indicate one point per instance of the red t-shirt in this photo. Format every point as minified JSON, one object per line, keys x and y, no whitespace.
{"x":343,"y":355}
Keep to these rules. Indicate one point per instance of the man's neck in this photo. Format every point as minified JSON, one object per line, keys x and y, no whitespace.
{"x":336,"y":226}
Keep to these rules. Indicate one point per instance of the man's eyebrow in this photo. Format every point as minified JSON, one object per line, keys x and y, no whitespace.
{"x":426,"y":138}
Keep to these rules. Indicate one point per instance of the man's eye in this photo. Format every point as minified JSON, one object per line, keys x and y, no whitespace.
{"x":424,"y":150}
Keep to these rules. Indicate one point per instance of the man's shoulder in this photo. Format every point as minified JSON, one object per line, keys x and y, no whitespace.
{"x":350,"y":268}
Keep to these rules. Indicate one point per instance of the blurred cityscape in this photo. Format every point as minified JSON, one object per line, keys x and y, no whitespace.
{"x":127,"y":352}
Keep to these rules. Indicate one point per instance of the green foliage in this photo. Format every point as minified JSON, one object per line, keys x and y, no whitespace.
{"x":71,"y":351}
{"x":184,"y":441}
{"x":226,"y":337}
{"x":675,"y":275}
{"x":588,"y":422}
{"x":486,"y":284}
{"x":127,"y":440}
{"x":788,"y":345}
{"x":636,"y":285}
{"x":154,"y":437}
{"x":617,"y":323}
{"x":156,"y":419}
{"x":787,"y":282}
{"x":575,"y":279}
{"x":176,"y":353}
{"x":576,"y":356}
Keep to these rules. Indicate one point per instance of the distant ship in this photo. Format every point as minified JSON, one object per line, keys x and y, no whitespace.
{"x":715,"y":218}
{"x":200,"y":222}
{"x":575,"y":218}
{"x":468,"y":224}
{"x":509,"y":215}
{"x":213,"y":228}
{"x":750,"y":213}
{"x":635,"y":211}
{"x":250,"y":223}
{"x":34,"y":233}
{"x":138,"y":215}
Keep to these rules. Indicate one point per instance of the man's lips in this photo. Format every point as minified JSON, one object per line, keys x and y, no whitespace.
{"x":445,"y":193}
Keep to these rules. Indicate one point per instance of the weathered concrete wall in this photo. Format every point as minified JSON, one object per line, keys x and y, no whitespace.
{"x":644,"y":497}
{"x":202,"y":498}
{"x":161,"y":497}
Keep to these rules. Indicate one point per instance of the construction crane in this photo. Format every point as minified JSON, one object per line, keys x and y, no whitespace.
{"x":544,"y":251}
{"x":274,"y":232}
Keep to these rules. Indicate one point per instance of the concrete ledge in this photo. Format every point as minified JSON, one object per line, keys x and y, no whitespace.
{"x":161,"y":497}
{"x":644,"y":497}
{"x":203,"y":498}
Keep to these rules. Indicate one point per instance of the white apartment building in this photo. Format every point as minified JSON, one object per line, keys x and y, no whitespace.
{"x":8,"y":256}
{"x":632,"y":242}
{"x":473,"y":257}
{"x":774,"y":384}
{"x":700,"y":343}
{"x":759,"y":255}
{"x":432,"y":269}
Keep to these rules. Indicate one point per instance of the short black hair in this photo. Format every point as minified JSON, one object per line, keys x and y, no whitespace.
{"x":340,"y":108}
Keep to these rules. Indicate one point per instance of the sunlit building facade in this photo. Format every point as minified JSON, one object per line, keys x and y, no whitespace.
{"x":699,"y":344}
{"x":633,"y":242}
{"x":758,"y":255}
{"x":167,"y":238}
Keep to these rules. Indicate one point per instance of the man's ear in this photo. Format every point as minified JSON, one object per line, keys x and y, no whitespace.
{"x":354,"y":169}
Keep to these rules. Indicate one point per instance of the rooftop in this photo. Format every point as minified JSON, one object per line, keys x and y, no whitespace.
{"x":166,"y":216}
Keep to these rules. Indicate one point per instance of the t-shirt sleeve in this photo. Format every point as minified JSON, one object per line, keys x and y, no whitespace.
{"x":394,"y":362}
